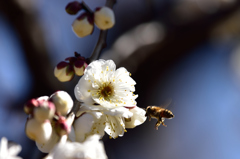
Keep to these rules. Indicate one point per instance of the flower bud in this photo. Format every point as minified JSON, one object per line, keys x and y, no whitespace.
{"x":79,"y":67}
{"x":30,"y":105}
{"x":83,"y":25}
{"x":104,"y":18}
{"x":62,"y":101}
{"x":73,"y":7}
{"x":64,"y":72}
{"x":44,"y":111}
{"x":38,"y":131}
{"x":62,"y":127}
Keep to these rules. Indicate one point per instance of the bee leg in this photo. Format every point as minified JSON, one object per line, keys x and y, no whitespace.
{"x":164,"y":124}
{"x":162,"y":121}
{"x":149,"y":118}
{"x":146,"y":114}
{"x":157,"y":124}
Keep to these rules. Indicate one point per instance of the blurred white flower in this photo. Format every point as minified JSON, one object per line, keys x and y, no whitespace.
{"x":104,"y":88}
{"x":9,"y":151}
{"x":92,"y":148}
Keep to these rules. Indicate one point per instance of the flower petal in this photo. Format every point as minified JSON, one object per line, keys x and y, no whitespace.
{"x":137,"y":118}
{"x":120,"y":111}
{"x":114,"y":126}
{"x":82,"y":93}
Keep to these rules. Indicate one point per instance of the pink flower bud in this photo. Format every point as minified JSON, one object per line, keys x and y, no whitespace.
{"x":79,"y":67}
{"x":44,"y":111}
{"x":83,"y":25}
{"x":62,"y":101}
{"x":64,"y":72}
{"x":30,"y":105}
{"x":104,"y":18}
{"x":62,"y":127}
{"x":73,"y":7}
{"x":38,"y":131}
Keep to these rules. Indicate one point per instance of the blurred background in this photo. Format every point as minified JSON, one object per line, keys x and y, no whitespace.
{"x":184,"y":50}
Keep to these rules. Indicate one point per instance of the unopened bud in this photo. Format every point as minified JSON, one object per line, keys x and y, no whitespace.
{"x":46,"y":147}
{"x":62,"y":101}
{"x":38,"y":131}
{"x":83,"y":25}
{"x":73,"y":7}
{"x":44,"y":111}
{"x":79,"y":67}
{"x":62,"y":127}
{"x":104,"y":18}
{"x":64,"y":72}
{"x":30,"y":105}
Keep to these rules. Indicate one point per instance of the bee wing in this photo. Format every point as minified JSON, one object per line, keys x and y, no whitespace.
{"x":166,"y":103}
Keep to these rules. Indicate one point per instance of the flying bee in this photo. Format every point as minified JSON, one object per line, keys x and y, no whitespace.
{"x":158,"y":113}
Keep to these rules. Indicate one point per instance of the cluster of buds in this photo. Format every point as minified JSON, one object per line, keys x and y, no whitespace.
{"x":103,"y":17}
{"x":65,"y":70}
{"x":47,"y":121}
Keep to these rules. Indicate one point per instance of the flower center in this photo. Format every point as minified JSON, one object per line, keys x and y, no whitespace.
{"x":106,"y":91}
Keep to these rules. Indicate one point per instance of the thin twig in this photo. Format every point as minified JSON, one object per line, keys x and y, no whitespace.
{"x":85,"y":7}
{"x":101,"y":44}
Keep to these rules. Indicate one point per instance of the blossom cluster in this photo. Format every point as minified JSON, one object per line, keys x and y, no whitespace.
{"x":107,"y":104}
{"x":47,"y":120}
{"x":103,"y":17}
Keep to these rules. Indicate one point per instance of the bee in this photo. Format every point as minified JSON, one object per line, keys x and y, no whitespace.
{"x":158,"y":113}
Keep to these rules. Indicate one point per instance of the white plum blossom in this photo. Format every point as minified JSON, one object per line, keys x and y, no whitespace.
{"x":92,"y":148}
{"x":104,"y":88}
{"x":9,"y":151}
{"x":108,"y":102}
